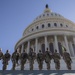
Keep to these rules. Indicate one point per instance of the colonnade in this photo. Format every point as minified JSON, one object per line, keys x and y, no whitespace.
{"x":46,"y":44}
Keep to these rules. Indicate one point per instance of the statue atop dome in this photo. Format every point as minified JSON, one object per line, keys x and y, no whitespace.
{"x":46,"y":5}
{"x":47,"y":9}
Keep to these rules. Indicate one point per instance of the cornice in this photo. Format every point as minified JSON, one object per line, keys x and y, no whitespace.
{"x":45,"y":30}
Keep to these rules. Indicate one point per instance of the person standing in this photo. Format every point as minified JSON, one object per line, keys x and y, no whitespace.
{"x":56,"y":57}
{"x":67,"y":59}
{"x":6,"y":58}
{"x":15,"y":58}
{"x":31,"y":57}
{"x":40,"y":59}
{"x":24,"y":57}
{"x":48,"y":58}
{"x":1,"y":54}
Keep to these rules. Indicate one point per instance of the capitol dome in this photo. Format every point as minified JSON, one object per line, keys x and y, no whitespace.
{"x":49,"y":30}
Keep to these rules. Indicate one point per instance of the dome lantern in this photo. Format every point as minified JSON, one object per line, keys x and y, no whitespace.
{"x":47,"y":9}
{"x":46,"y":5}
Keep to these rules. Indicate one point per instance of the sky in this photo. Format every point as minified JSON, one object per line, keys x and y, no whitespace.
{"x":16,"y":15}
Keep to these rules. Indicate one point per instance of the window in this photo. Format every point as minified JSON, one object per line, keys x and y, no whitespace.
{"x":55,"y":14}
{"x":66,"y":25}
{"x":52,"y":14}
{"x":43,"y":26}
{"x":49,"y":24}
{"x":55,"y":24}
{"x":61,"y":25}
{"x":47,"y":14}
{"x":32,"y":29}
{"x":37,"y":27}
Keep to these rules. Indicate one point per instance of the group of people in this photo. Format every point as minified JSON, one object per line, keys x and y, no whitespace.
{"x":23,"y":57}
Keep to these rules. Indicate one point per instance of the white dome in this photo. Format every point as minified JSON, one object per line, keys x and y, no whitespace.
{"x":49,"y":30}
{"x":48,"y":17}
{"x":48,"y":23}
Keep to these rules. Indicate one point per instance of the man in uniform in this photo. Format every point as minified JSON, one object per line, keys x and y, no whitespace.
{"x":56,"y":57}
{"x":67,"y":59}
{"x":48,"y":58}
{"x":6,"y":58}
{"x":40,"y":59}
{"x":1,"y":54}
{"x":15,"y":58}
{"x":24,"y":57}
{"x":31,"y":57}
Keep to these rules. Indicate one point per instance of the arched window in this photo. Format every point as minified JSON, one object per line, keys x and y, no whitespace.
{"x":42,"y":25}
{"x":55,"y":14}
{"x":47,"y":14}
{"x":37,"y":27}
{"x":49,"y":24}
{"x":32,"y":29}
{"x":66,"y":25}
{"x":52,"y":14}
{"x":61,"y":25}
{"x":55,"y":24}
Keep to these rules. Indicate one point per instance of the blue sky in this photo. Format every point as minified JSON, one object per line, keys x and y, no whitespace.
{"x":16,"y":15}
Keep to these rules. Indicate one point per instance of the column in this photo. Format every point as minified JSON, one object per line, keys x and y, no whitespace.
{"x":46,"y":42}
{"x":74,"y":40}
{"x":56,"y":43}
{"x":28,"y":47}
{"x":36,"y":45}
{"x":71,"y":48}
{"x":66,"y":43}
{"x":74,"y":44}
{"x":22,"y":48}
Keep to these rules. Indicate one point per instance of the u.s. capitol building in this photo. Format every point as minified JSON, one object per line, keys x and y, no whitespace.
{"x":49,"y":30}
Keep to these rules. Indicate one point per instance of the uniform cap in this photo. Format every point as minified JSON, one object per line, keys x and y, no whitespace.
{"x":7,"y":50}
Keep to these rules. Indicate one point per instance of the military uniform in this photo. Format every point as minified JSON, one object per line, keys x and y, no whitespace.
{"x":56,"y":57}
{"x":24,"y":57}
{"x":1,"y":55}
{"x":48,"y":59}
{"x":6,"y":58}
{"x":40,"y":58}
{"x":15,"y":58}
{"x":67,"y":59}
{"x":31,"y":57}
